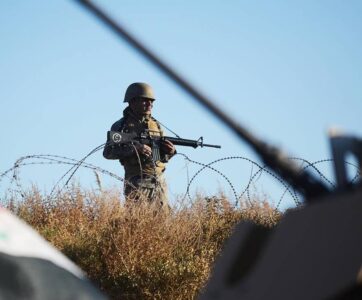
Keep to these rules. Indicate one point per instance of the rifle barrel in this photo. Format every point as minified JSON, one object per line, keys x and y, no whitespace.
{"x":212,"y":146}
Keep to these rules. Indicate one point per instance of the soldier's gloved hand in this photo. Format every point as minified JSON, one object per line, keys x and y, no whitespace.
{"x":168,"y":147}
{"x":143,"y":149}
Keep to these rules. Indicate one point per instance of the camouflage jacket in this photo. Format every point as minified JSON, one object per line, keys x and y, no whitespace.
{"x":126,"y":153}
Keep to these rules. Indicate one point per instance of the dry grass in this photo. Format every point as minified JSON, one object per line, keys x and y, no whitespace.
{"x":135,"y":252}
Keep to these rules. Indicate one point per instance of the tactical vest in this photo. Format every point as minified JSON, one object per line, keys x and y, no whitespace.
{"x":132,"y":164}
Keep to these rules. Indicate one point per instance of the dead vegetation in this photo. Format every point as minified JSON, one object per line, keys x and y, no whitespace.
{"x":135,"y":252}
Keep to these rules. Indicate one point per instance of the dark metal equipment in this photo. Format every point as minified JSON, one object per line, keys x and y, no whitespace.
{"x":316,"y":250}
{"x":342,"y":146}
{"x":314,"y":253}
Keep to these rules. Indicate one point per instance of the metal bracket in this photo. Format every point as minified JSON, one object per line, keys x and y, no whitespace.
{"x":342,"y":145}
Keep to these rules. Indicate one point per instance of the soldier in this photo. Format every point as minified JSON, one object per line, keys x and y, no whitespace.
{"x":143,"y":176}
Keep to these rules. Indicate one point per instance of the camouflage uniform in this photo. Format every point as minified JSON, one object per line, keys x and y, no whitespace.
{"x":143,"y":177}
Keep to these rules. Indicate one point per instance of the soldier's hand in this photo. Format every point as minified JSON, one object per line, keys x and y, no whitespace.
{"x":143,"y":149}
{"x":168,"y":147}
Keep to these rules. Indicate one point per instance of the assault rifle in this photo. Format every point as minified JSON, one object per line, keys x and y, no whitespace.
{"x":154,"y":141}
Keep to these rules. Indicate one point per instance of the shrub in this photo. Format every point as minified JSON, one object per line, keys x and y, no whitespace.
{"x":134,"y":251}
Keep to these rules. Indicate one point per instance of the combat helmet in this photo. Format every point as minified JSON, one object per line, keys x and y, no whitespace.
{"x":139,"y":89}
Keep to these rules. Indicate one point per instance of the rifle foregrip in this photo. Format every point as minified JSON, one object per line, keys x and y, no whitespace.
{"x":189,"y":143}
{"x":182,"y":142}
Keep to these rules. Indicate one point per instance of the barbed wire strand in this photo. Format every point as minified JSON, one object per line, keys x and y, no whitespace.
{"x":48,"y":159}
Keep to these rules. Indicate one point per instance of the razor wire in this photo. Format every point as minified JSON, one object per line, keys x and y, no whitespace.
{"x":49,"y":159}
{"x":75,"y":167}
{"x":261,"y":168}
{"x":206,"y":103}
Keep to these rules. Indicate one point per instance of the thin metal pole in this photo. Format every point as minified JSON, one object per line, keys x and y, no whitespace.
{"x":303,"y":181}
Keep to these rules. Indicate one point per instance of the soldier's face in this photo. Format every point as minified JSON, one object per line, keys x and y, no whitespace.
{"x":141,"y":106}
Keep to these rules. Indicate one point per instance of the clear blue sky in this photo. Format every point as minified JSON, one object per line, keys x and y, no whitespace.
{"x":287,"y":70}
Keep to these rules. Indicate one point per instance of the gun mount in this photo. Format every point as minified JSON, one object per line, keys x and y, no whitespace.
{"x":315,"y":252}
